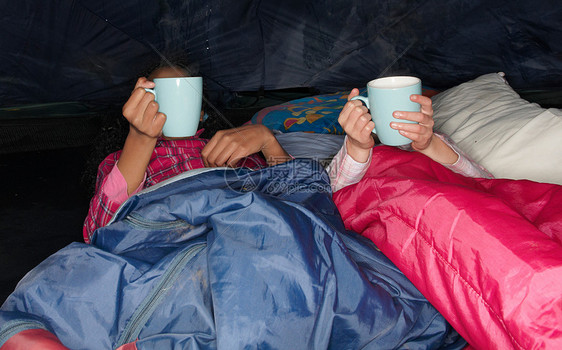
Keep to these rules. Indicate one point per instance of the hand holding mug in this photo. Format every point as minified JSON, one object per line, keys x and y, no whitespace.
{"x":357,"y":124}
{"x":421,"y":130}
{"x":141,"y":111}
{"x":385,"y":97}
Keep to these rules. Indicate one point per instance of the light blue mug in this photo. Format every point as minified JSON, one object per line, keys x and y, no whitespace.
{"x":387,"y":95}
{"x":180,"y":100}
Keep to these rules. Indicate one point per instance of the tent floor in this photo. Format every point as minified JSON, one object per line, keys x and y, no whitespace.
{"x":42,"y":209}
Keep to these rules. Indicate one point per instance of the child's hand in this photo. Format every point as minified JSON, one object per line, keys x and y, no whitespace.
{"x":357,"y":124}
{"x":142,"y":111}
{"x":421,"y":133}
{"x":227,"y":147}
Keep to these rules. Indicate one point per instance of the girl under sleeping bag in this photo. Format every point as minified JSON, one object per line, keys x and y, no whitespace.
{"x":487,"y":253}
{"x":224,"y":258}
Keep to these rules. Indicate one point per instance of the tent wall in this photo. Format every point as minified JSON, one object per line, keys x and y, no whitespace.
{"x":92,"y":51}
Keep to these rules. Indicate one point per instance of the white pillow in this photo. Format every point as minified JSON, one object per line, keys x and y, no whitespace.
{"x":508,"y":135}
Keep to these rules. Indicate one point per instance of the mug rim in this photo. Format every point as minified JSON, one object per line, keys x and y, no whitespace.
{"x":172,"y":78}
{"x":394,"y":82}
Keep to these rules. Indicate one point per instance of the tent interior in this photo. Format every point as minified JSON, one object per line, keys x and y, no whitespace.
{"x":67,"y":67}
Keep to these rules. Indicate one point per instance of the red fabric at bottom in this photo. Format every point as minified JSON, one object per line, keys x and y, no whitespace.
{"x":129,"y":346}
{"x":33,"y":339}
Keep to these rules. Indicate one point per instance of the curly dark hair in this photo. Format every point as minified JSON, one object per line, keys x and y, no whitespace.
{"x":114,"y":128}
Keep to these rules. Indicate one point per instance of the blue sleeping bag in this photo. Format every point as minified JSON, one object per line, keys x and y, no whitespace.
{"x":227,"y":258}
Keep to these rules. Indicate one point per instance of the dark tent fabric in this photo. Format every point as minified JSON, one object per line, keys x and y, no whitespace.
{"x":55,"y":51}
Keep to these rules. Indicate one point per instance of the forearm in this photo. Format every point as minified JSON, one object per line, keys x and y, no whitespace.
{"x":135,"y":158}
{"x":344,"y":170}
{"x":359,"y":154}
{"x":464,"y":165}
{"x":273,"y":152}
{"x":439,"y":151}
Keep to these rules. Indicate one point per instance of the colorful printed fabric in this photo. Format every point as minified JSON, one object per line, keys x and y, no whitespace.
{"x":316,"y":114}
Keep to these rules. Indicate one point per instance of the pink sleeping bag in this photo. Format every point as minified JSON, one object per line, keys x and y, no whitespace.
{"x":486,"y":253}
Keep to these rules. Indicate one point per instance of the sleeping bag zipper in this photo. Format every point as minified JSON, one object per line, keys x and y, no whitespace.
{"x":147,"y":307}
{"x":168,"y":225}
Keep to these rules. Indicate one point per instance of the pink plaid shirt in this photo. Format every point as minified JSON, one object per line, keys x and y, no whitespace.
{"x":169,"y":158}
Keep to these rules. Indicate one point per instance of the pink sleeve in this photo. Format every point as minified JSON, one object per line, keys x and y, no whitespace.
{"x":111,"y":192}
{"x":464,"y":165}
{"x":115,"y":186}
{"x":344,"y":170}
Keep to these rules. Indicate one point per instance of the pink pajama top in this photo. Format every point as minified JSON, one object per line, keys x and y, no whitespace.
{"x":345,"y":171}
{"x":173,"y":157}
{"x":169,"y":158}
